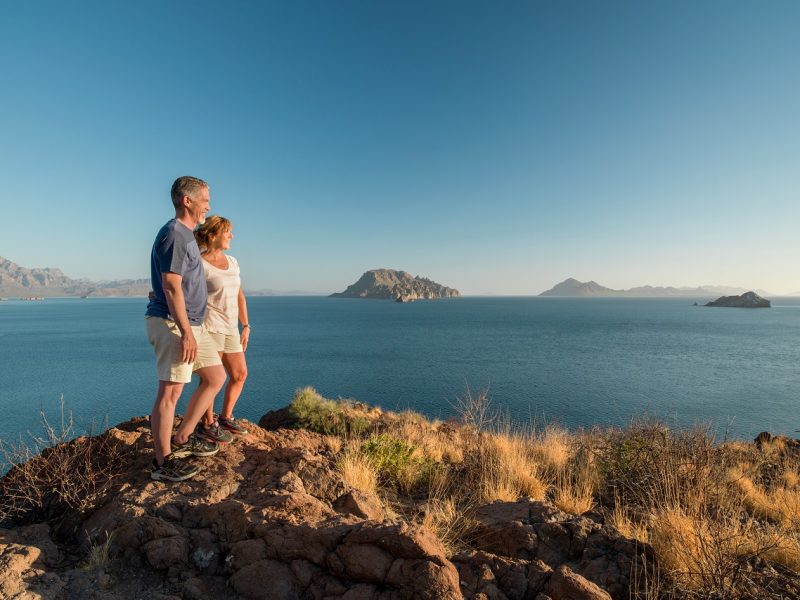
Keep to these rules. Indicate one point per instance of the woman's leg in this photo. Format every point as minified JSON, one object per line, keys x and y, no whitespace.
{"x":208,"y":418}
{"x":236,"y":367}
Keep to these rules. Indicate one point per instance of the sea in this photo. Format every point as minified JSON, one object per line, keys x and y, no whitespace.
{"x":571,"y":362}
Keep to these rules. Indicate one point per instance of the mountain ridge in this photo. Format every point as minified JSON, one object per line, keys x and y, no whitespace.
{"x":16,"y":280}
{"x":572,"y":288}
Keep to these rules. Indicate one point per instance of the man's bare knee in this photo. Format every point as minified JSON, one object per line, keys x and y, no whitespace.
{"x":169,"y":392}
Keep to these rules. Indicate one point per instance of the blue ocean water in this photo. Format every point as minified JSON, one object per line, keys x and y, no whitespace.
{"x":576,"y":362}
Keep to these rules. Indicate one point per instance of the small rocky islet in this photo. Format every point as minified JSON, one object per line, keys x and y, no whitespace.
{"x":746,"y":300}
{"x":401,"y":286}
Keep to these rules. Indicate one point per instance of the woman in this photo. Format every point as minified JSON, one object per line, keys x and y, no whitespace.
{"x":227,"y":308}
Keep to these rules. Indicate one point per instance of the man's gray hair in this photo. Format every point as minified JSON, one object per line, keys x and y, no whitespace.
{"x":185,"y":186}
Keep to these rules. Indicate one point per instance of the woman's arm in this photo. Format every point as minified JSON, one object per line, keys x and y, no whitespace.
{"x":243,"y":320}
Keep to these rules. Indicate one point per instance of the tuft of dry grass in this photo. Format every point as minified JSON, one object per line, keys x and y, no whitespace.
{"x":505,"y":470}
{"x":574,"y":492}
{"x":99,"y":555}
{"x":552,"y":449}
{"x":358,"y":470}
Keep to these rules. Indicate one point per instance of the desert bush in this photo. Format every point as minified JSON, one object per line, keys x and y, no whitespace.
{"x":399,"y":464}
{"x":648,"y":465}
{"x":54,"y":474}
{"x":330,"y":417}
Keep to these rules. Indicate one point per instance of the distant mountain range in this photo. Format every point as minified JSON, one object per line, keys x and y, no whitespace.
{"x":572,"y":288}
{"x":20,"y":282}
{"x":16,"y":281}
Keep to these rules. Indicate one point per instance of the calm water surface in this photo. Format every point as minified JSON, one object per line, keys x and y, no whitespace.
{"x":577,"y":362}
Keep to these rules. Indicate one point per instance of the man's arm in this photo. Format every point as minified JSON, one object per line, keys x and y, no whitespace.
{"x":243,"y":320}
{"x":177,"y":308}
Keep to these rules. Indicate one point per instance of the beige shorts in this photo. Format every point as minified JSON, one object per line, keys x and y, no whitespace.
{"x":165,"y":337}
{"x":227,"y":343}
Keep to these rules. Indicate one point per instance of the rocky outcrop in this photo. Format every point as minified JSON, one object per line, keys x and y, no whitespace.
{"x":388,"y":284}
{"x":271,"y":517}
{"x":746,"y":300}
{"x":17,"y":281}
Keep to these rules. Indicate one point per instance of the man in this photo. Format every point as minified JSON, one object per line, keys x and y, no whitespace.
{"x":174,"y":318}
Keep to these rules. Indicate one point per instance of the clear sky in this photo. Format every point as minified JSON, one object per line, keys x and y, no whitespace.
{"x":496,"y":147}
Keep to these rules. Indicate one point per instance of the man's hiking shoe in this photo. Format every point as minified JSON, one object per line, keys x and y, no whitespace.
{"x":213,"y":433}
{"x":233,"y":426}
{"x":194,"y":446}
{"x":173,"y":469}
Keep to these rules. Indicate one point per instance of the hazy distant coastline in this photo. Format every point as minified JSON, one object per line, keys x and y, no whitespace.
{"x":572,"y":288}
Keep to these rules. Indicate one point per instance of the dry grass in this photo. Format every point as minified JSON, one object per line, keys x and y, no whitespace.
{"x":358,"y":470}
{"x":575,"y":492}
{"x":717,"y":516}
{"x":99,"y":555}
{"x":504,"y":469}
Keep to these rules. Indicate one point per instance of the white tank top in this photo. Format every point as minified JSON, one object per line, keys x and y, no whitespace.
{"x":223,"y":297}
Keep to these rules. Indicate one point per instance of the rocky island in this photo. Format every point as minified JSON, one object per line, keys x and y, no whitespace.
{"x":746,"y":300}
{"x":388,"y":284}
{"x":338,"y":500}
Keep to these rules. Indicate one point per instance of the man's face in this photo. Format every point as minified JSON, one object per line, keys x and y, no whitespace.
{"x":199,"y":204}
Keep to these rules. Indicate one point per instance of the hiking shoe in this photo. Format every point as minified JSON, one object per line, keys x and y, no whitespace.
{"x":233,"y":426}
{"x":173,"y":469}
{"x":194,"y":446}
{"x":213,"y":433}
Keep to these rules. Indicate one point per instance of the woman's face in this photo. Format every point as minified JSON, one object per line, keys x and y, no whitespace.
{"x":222,"y":241}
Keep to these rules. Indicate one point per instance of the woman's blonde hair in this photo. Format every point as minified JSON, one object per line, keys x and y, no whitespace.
{"x":214,"y":226}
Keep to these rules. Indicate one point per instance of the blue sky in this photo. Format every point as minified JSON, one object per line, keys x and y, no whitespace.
{"x":494,"y":147}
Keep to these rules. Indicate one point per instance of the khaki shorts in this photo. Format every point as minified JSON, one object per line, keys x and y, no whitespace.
{"x":226,"y":343}
{"x":165,"y":337}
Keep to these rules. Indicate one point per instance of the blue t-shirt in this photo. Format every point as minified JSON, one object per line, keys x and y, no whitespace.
{"x":175,"y":251}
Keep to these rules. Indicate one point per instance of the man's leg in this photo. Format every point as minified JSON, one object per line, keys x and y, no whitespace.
{"x":211,"y":381}
{"x":162,"y":417}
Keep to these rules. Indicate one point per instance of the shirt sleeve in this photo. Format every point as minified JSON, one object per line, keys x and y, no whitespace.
{"x":234,"y":265}
{"x":171,"y":254}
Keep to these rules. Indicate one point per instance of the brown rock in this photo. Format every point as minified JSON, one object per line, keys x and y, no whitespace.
{"x":267,"y":579}
{"x":245,"y":553}
{"x":360,"y":504}
{"x":167,"y":552}
{"x":364,"y":562}
{"x":565,"y":584}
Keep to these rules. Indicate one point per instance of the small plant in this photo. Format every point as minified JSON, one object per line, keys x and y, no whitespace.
{"x":99,"y":555}
{"x":398,"y":463}
{"x":475,"y":410}
{"x":330,"y":417}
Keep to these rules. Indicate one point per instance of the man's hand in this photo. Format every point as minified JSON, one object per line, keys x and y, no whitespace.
{"x":245,"y":337}
{"x":188,"y":347}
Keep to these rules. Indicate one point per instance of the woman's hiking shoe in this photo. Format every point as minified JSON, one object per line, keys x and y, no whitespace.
{"x":173,"y":469}
{"x":213,"y":433}
{"x":233,"y":426}
{"x":194,"y":446}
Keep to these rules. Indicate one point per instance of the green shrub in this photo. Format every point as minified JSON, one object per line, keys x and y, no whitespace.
{"x":315,"y":413}
{"x":398,"y":463}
